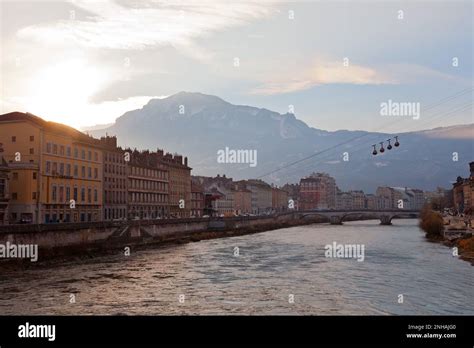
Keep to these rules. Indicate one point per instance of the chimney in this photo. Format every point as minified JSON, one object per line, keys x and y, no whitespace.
{"x":186,"y":161}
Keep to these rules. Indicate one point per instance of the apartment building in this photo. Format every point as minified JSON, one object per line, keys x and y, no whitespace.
{"x":56,"y":171}
{"x":242,"y":200}
{"x":115,"y":176}
{"x":463,"y":192}
{"x":279,"y":199}
{"x":261,"y":195}
{"x":197,"y":199}
{"x":148,"y":185}
{"x":358,"y":199}
{"x":180,"y":185}
{"x":318,"y":191}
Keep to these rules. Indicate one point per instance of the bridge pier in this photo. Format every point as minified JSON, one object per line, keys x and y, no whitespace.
{"x":385,"y":220}
{"x":335,"y":220}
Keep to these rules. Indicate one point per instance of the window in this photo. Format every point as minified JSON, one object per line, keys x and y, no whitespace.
{"x":89,"y":172}
{"x":2,"y":187}
{"x":48,"y":167}
{"x":14,"y":196}
{"x":96,"y":195}
{"x":48,"y":147}
{"x":89,"y":155}
{"x":68,"y":193}
{"x":15,"y":176}
{"x":61,"y":150}
{"x":68,"y":169}
{"x":83,"y":171}
{"x":55,"y":168}
{"x":61,"y":193}
{"x":55,"y":193}
{"x":61,"y":168}
{"x":83,"y":194}
{"x":34,"y":175}
{"x":76,"y":170}
{"x":83,"y":154}
{"x":68,"y":151}
{"x":32,"y":151}
{"x":89,"y":195}
{"x":75,"y":194}
{"x":96,"y":173}
{"x":96,"y":156}
{"x":13,"y":139}
{"x":55,"y":149}
{"x":76,"y":152}
{"x":32,"y":138}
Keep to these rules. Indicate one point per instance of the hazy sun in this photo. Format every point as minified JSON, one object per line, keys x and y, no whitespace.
{"x":61,"y":90}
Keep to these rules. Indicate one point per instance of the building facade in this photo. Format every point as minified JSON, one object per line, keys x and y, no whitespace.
{"x":279,"y":199}
{"x":148,"y":186}
{"x":4,"y":190}
{"x":242,"y":201}
{"x":180,"y":185}
{"x":463,"y":193}
{"x":115,"y":174}
{"x":261,"y":195}
{"x":56,"y":171}
{"x":318,"y":191}
{"x":197,"y":199}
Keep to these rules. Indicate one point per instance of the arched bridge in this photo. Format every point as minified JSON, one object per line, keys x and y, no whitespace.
{"x":336,"y":217}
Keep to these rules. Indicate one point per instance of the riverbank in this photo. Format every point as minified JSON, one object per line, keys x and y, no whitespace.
{"x":459,"y":233}
{"x":69,"y":241}
{"x":451,"y":231}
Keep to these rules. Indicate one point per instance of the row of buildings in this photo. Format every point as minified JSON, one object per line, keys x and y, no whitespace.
{"x":53,"y":173}
{"x":224,"y":196}
{"x":319,"y":191}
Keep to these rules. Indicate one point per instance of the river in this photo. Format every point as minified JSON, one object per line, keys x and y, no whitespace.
{"x":282,"y":271}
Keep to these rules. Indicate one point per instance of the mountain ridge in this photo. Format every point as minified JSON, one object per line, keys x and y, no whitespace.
{"x":198,"y":125}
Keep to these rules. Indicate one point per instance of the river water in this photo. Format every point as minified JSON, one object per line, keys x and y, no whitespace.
{"x":276,"y":272}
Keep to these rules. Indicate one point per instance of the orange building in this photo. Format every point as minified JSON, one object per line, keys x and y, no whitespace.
{"x":56,"y":171}
{"x":279,"y":199}
{"x":242,"y":200}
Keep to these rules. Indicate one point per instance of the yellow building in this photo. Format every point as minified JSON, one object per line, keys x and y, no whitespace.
{"x":56,"y":171}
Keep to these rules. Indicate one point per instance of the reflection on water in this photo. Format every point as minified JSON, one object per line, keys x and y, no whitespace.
{"x":271,"y":267}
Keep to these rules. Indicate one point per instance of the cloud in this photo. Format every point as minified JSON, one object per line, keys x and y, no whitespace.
{"x":114,"y":26}
{"x":323,"y":73}
{"x":330,"y":72}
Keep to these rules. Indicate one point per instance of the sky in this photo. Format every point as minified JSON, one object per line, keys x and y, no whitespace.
{"x":331,"y":63}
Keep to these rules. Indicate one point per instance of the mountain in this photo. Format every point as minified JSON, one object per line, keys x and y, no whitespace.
{"x":198,"y":126}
